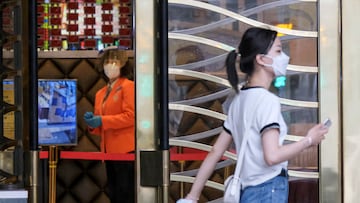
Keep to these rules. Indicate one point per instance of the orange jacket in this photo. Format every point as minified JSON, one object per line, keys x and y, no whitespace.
{"x":118,"y":117}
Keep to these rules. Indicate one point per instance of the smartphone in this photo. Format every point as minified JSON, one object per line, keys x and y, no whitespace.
{"x":327,"y":123}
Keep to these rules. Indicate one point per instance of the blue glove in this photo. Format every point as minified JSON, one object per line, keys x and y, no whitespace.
{"x":88,"y":115}
{"x":91,"y":120}
{"x":184,"y":201}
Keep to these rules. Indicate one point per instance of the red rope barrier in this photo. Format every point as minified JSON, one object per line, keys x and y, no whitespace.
{"x":121,"y":157}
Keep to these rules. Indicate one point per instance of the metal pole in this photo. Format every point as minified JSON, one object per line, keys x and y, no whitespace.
{"x":33,"y":103}
{"x":33,"y":75}
{"x":163,"y":96}
{"x":53,"y":159}
{"x":163,"y":75}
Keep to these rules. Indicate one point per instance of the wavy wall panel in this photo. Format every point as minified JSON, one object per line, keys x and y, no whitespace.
{"x":200,"y":35}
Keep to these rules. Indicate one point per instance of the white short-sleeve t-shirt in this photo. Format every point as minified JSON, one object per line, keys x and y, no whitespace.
{"x":257,"y":109}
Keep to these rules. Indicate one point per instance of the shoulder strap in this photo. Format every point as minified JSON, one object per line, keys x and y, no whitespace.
{"x":241,"y":154}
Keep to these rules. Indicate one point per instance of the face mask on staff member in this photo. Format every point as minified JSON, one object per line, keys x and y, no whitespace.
{"x":112,"y":70}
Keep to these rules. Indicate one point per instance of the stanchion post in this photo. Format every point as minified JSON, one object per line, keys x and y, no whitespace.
{"x":182,"y":168}
{"x":53,"y":159}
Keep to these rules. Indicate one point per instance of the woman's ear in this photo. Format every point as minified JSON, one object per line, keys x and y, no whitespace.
{"x":261,"y":59}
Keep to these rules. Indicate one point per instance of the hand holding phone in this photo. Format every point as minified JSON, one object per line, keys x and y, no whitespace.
{"x":327,"y":123}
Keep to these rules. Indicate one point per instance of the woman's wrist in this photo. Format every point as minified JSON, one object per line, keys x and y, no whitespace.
{"x":193,"y":198}
{"x":308,"y":141}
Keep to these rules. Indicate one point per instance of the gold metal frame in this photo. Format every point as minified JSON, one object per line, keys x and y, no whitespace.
{"x":350,"y":99}
{"x":53,"y":160}
{"x":145,"y":40}
{"x":329,"y":101}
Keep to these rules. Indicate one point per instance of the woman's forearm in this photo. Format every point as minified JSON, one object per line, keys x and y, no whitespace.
{"x":206,"y":169}
{"x":209,"y":163}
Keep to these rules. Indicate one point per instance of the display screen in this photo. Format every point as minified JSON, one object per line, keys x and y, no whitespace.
{"x":9,"y":118}
{"x":57,"y":112}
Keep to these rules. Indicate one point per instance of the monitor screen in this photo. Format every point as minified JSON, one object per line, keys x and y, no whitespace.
{"x":57,"y":112}
{"x":9,"y":118}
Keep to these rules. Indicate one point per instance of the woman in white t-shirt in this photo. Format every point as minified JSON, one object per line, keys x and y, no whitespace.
{"x":264,"y":172}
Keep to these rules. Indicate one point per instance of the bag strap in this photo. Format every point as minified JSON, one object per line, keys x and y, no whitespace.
{"x":244,"y":141}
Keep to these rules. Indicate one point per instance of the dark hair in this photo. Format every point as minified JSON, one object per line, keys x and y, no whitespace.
{"x":254,"y":41}
{"x":126,"y":70}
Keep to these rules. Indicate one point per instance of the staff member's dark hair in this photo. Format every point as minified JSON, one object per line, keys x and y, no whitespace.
{"x":254,"y":41}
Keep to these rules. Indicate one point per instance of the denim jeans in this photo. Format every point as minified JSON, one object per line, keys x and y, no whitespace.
{"x":275,"y":190}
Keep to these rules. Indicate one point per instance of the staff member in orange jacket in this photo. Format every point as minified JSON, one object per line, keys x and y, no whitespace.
{"x":114,"y":120}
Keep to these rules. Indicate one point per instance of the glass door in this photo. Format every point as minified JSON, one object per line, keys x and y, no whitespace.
{"x":201,"y":33}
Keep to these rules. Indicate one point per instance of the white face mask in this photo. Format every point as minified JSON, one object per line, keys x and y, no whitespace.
{"x":112,"y":70}
{"x":279,"y":64}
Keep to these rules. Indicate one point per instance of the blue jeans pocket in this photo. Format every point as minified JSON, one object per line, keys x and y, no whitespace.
{"x":280,"y":190}
{"x":274,"y":190}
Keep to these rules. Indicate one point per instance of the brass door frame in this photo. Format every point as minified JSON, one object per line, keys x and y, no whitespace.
{"x":329,"y":90}
{"x":330,"y":99}
{"x":340,"y":62}
{"x":145,"y":63}
{"x":350,"y":99}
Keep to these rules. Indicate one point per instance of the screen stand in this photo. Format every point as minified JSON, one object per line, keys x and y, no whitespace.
{"x":53,"y":159}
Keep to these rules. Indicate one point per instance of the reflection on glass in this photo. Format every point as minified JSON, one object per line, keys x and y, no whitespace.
{"x":300,"y":85}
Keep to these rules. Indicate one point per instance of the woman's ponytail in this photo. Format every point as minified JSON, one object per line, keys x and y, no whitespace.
{"x":231,"y":70}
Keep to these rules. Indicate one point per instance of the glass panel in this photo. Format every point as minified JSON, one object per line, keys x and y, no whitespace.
{"x":201,"y":33}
